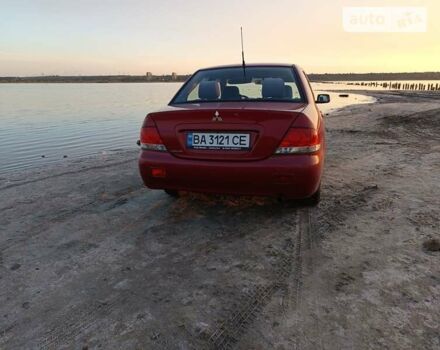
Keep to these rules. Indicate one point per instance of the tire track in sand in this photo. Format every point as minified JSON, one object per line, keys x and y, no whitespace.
{"x":288,"y":277}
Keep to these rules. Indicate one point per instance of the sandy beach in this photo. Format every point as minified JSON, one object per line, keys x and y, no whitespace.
{"x":90,"y":259}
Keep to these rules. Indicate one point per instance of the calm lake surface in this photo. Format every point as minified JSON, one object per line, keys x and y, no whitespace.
{"x":41,"y":124}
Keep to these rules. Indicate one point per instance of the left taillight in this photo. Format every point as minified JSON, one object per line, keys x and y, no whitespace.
{"x":151,"y":140}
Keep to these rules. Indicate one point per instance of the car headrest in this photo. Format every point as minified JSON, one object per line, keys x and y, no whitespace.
{"x":209,"y":90}
{"x":273,"y":88}
{"x":231,"y":93}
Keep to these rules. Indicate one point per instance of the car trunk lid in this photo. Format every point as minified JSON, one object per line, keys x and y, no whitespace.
{"x":265,"y":123}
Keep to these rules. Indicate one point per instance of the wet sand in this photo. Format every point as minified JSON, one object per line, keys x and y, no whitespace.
{"x":91,"y":258}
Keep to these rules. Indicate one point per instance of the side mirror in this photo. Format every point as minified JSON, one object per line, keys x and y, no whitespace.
{"x":323,"y":98}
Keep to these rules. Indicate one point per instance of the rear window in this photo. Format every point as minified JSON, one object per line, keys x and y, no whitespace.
{"x":276,"y":84}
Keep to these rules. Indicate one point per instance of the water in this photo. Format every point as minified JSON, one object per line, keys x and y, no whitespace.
{"x":73,"y":120}
{"x":336,"y":101}
{"x":41,"y":124}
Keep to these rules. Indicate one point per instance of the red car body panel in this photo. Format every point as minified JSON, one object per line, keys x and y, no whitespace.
{"x":257,"y":171}
{"x":265,"y":122}
{"x":293,"y":176}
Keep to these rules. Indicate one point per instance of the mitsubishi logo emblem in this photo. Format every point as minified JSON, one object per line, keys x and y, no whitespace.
{"x":216,"y":117}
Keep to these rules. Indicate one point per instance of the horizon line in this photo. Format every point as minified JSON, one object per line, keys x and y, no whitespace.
{"x":189,"y":74}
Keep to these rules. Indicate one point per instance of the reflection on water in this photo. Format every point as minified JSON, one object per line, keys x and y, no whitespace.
{"x":44,"y":123}
{"x":337,"y":101}
{"x":73,"y":120}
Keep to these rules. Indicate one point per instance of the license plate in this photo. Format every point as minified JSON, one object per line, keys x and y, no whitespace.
{"x":226,"y":141}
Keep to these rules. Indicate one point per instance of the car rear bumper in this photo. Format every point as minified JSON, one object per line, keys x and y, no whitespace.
{"x":291,"y":176}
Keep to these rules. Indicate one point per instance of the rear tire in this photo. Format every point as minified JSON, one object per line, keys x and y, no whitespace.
{"x":314,"y":199}
{"x":308,"y":202}
{"x":172,"y":193}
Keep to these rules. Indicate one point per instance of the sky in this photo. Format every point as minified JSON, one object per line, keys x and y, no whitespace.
{"x":87,"y":37}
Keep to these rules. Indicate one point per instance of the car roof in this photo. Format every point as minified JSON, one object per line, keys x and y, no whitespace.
{"x":251,"y":65}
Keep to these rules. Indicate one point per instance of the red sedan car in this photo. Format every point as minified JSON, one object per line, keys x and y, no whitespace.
{"x":251,"y":130}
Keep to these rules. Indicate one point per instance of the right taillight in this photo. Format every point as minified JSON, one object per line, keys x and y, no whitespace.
{"x":151,"y":140}
{"x":299,"y":141}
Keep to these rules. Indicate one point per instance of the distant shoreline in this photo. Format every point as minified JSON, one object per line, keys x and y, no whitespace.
{"x":374,"y":76}
{"x":97,"y":79}
{"x":328,"y":77}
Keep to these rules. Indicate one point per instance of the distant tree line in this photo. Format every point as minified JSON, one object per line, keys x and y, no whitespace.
{"x":374,"y":76}
{"x":96,"y":79}
{"x":182,"y":78}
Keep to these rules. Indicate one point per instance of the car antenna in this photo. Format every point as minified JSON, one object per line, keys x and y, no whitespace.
{"x":242,"y":52}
